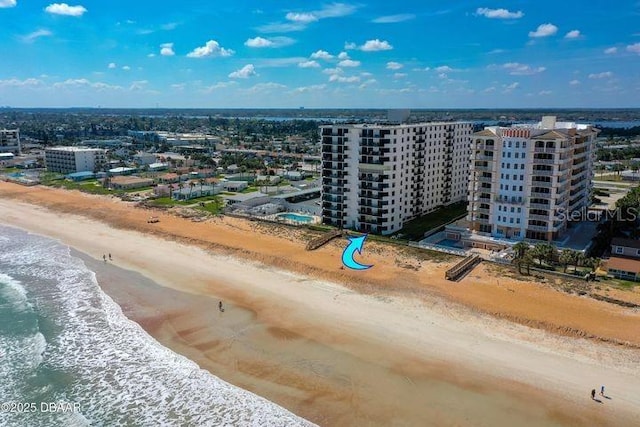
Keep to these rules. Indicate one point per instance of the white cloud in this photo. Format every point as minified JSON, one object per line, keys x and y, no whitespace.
{"x":545,"y":92}
{"x":375,"y":45}
{"x":367,"y":83}
{"x":611,"y":50}
{"x":332,"y":71}
{"x":219,"y":85}
{"x":392,"y":19}
{"x":264,"y":87}
{"x":342,"y":79}
{"x":281,"y":27}
{"x":394,"y":65}
{"x":303,"y":18}
{"x":511,"y":86}
{"x":635,"y":48}
{"x":31,"y":37}
{"x":444,"y":69}
{"x":20,"y":83}
{"x":112,"y":65}
{"x":398,"y":76}
{"x":321,"y":54}
{"x":308,"y":64}
{"x":498,"y":13}
{"x":138,"y":85}
{"x":573,"y":34}
{"x":574,"y":82}
{"x":151,"y":55}
{"x":544,"y":30}
{"x":166,"y":49}
{"x":602,"y":75}
{"x":349,"y":63}
{"x":260,"y":42}
{"x":65,"y":9}
{"x":343,"y":55}
{"x":211,"y":48}
{"x":303,"y":89}
{"x":77,"y":83}
{"x":298,"y":21}
{"x":518,"y":69}
{"x":7,"y":3}
{"x":350,"y":45}
{"x":335,"y":10}
{"x":244,"y":72}
{"x":126,"y":68}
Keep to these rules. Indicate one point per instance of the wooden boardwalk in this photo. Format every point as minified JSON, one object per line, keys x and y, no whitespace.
{"x":461,"y":269}
{"x":323,"y":240}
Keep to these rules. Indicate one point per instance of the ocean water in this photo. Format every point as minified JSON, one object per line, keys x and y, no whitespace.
{"x":69,"y":357}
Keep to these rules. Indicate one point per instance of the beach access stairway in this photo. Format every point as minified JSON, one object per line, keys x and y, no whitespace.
{"x":461,"y":269}
{"x":323,"y":240}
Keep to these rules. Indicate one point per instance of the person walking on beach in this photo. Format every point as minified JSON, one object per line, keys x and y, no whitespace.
{"x":104,"y":257}
{"x":593,"y":394}
{"x":220,"y":306}
{"x":109,"y":256}
{"x":601,"y":390}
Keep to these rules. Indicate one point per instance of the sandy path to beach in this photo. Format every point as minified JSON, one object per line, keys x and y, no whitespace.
{"x":337,"y":356}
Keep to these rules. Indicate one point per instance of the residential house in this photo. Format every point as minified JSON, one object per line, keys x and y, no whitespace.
{"x":625,"y":259}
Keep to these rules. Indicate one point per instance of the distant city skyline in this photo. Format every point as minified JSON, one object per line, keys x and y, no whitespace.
{"x":314,"y":54}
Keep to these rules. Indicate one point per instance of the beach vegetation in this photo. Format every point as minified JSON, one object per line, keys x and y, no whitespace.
{"x":416,"y":228}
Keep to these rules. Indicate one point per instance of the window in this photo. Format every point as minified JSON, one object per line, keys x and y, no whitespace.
{"x":619,"y":249}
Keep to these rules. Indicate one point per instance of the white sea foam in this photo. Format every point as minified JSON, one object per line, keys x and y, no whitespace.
{"x":120,"y":374}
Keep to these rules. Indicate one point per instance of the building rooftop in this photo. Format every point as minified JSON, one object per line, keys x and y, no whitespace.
{"x":624,"y":264}
{"x":74,"y":148}
{"x":628,"y":243}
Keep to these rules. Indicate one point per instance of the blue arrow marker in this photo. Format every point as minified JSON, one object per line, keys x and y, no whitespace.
{"x":355,"y":244}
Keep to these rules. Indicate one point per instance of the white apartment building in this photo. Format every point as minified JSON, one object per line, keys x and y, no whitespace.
{"x":526,"y":180}
{"x":10,"y":141}
{"x":377,"y":177}
{"x":74,"y":159}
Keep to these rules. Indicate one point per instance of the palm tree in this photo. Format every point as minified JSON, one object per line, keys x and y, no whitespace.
{"x":567,"y":257}
{"x":191,"y":185}
{"x":202,"y":181}
{"x":171,"y":191}
{"x":180,"y":186}
{"x":521,"y":251}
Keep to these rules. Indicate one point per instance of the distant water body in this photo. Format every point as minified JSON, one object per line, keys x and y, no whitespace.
{"x":69,"y":357}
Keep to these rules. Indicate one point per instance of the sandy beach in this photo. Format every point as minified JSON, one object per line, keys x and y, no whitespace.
{"x":395,"y":345}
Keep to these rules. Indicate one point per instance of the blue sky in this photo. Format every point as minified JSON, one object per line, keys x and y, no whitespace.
{"x":314,"y":54}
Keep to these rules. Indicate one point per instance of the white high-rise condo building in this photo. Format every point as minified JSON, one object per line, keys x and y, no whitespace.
{"x":527,"y":180}
{"x":377,"y":177}
{"x":74,"y":159}
{"x":10,"y":141}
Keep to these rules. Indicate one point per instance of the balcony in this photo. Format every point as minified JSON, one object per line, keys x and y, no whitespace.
{"x":542,"y":172}
{"x":542,"y":206}
{"x":485,"y":211}
{"x":540,"y":191}
{"x":545,"y":184}
{"x":539,"y":217}
{"x":544,"y":161}
{"x":482,"y":157}
{"x":483,"y":179}
{"x":538,"y":228}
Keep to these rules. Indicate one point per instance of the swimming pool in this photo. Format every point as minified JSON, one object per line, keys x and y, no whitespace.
{"x":303,"y":219}
{"x":449,"y":243}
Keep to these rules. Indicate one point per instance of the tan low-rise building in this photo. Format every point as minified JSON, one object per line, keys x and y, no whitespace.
{"x":129,"y":182}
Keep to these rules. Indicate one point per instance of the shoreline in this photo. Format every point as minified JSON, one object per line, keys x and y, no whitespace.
{"x":426,"y":351}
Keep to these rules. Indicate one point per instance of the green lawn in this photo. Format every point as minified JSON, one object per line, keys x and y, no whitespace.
{"x":415,"y":229}
{"x":213,"y":207}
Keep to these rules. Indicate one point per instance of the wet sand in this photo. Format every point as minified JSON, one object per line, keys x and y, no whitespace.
{"x":343,"y":382}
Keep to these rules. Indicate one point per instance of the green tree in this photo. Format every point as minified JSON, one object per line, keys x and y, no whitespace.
{"x":566,"y":257}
